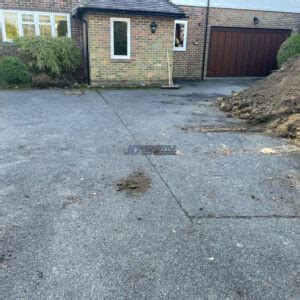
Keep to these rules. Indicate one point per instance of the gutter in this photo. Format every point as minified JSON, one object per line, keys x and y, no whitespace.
{"x":205,"y":40}
{"x":87,"y":63}
{"x":80,"y":11}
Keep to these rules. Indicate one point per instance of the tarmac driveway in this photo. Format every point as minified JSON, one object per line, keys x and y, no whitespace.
{"x":220,"y":219}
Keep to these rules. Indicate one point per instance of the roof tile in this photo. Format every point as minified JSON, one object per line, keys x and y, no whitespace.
{"x":155,"y":7}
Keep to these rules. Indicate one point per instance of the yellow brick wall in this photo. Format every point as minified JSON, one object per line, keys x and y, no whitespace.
{"x":148,"y":62}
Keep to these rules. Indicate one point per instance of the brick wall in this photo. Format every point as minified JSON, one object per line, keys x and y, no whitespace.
{"x":187,"y":64}
{"x":148,"y":63}
{"x":190,"y":68}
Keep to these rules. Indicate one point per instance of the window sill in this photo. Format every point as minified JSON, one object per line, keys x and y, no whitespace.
{"x":120,"y":60}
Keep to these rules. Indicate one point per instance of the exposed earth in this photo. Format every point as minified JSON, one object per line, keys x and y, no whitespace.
{"x":136,"y":183}
{"x":219,"y":219}
{"x":274,"y":102}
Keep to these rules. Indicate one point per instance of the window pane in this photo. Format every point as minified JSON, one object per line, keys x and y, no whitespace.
{"x":27,"y":18}
{"x":28,"y":29}
{"x":44,"y":19}
{"x":120,"y":38}
{"x":11,"y":25}
{"x":61,"y":25}
{"x":45,"y":30}
{"x":179,"y":35}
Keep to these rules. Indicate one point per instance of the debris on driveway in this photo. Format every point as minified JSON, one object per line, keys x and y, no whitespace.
{"x":280,"y":150}
{"x":135,"y":184}
{"x":5,"y":258}
{"x":73,"y":92}
{"x":233,"y":128}
{"x":273,"y":101}
{"x":151,"y":150}
{"x":70,"y":200}
{"x":225,"y":151}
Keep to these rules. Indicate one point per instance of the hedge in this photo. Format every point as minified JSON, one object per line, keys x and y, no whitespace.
{"x":53,"y":56}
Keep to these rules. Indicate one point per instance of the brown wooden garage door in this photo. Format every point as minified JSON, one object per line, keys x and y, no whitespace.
{"x":244,"y":51}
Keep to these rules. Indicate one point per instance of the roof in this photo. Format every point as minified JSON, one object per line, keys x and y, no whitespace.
{"x":292,"y":6}
{"x":162,"y":8}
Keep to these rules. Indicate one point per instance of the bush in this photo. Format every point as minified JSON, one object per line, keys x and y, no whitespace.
{"x":289,"y":48}
{"x":53,"y":56}
{"x":13,"y":71}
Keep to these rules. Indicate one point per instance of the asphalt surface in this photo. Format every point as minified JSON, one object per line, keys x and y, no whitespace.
{"x":220,"y":220}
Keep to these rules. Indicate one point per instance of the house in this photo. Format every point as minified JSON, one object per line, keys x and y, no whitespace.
{"x":128,"y":40}
{"x":125,"y":42}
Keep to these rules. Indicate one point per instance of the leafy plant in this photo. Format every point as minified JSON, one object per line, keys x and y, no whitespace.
{"x":13,"y":71}
{"x":53,"y":56}
{"x":290,"y":48}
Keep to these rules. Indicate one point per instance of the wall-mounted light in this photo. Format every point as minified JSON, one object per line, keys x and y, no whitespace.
{"x":255,"y":20}
{"x":153,"y":27}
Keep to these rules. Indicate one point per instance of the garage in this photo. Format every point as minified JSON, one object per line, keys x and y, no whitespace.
{"x":244,"y":51}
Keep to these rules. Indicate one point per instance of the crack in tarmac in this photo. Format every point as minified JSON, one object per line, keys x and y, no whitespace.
{"x":148,"y":158}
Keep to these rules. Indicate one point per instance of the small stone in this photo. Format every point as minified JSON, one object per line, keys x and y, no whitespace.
{"x":226,"y":106}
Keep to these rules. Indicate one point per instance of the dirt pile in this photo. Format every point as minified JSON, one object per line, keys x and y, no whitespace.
{"x":135,"y":184}
{"x":273,"y":102}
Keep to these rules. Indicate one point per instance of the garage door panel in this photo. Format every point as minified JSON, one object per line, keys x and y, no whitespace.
{"x":220,"y":55}
{"x":233,"y":53}
{"x":259,"y":54}
{"x":239,"y":56}
{"x":227,"y":52}
{"x":265,"y":55}
{"x":244,"y":51}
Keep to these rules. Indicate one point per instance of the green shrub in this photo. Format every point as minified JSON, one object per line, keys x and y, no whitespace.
{"x":13,"y":71}
{"x":53,"y":56}
{"x":289,"y":48}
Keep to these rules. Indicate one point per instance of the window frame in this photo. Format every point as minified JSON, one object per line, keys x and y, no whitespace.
{"x":112,"y":41}
{"x":52,"y":26}
{"x":36,"y":15}
{"x":4,"y":38}
{"x":185,"y":23}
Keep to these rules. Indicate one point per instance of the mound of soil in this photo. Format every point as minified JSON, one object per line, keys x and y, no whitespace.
{"x":135,"y":184}
{"x":273,"y":102}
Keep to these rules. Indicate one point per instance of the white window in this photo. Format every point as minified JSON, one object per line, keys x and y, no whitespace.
{"x":62,"y":24}
{"x":180,"y":35}
{"x":45,"y":26}
{"x":25,"y":23}
{"x":120,"y":38}
{"x":28,"y":25}
{"x":10,"y":26}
